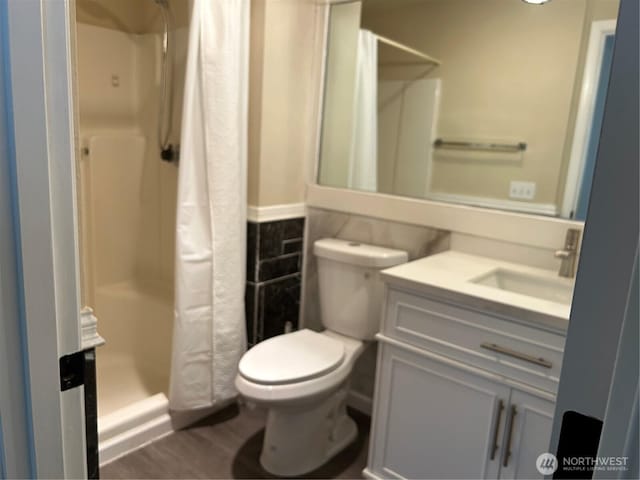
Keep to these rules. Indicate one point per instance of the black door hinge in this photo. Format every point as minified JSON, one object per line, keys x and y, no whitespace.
{"x":71,"y":371}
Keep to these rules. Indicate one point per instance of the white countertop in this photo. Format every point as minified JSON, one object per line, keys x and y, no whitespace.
{"x":448,"y":276}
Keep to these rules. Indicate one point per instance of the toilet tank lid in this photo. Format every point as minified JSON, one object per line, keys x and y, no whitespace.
{"x":356,"y":253}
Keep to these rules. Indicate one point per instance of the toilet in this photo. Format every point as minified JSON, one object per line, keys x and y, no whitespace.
{"x":302,"y":377}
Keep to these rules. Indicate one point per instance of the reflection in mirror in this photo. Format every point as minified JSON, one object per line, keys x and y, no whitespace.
{"x":494,"y":103}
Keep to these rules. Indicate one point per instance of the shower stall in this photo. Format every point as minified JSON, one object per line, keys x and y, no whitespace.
{"x":130,"y":64}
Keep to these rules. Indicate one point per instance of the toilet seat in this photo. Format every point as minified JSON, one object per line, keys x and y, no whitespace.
{"x":297,"y":391}
{"x":291,"y":358}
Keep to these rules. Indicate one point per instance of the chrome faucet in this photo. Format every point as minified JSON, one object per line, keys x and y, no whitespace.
{"x":569,"y":254}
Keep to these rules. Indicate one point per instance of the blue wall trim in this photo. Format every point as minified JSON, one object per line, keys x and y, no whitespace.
{"x":6,"y":72}
{"x":596,"y":128}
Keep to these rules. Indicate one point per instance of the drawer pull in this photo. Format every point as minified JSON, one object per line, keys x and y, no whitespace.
{"x":496,"y":430}
{"x":515,"y":354}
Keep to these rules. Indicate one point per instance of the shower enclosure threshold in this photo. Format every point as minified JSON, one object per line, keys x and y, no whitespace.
{"x":143,"y":422}
{"x":133,"y":427}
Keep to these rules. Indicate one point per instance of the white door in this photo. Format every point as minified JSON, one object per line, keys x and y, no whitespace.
{"x":35,"y":46}
{"x":528,"y":426}
{"x":608,"y":256}
{"x":14,"y":438}
{"x":434,"y":420}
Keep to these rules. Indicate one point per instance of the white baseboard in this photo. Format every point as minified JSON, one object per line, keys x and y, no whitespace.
{"x":272,"y":213}
{"x":360,"y":402}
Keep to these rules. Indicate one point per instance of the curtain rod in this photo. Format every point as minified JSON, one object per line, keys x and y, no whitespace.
{"x":412,"y":51}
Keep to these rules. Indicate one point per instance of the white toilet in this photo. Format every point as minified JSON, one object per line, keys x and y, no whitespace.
{"x":302,"y":377}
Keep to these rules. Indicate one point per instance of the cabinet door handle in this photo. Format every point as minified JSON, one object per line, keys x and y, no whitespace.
{"x":515,"y":354}
{"x":496,"y":430}
{"x":507,"y":449}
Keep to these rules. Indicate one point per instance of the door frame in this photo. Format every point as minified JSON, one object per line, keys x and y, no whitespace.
{"x":44,"y":160}
{"x":600,"y":30}
{"x":40,"y":60}
{"x":604,"y":282}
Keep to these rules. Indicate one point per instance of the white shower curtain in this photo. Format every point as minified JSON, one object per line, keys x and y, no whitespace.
{"x":209,"y":330}
{"x":363,"y":165}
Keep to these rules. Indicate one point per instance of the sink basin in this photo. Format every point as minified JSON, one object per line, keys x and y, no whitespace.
{"x":545,"y":288}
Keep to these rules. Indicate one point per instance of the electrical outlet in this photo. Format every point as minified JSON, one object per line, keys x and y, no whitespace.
{"x":522,"y":190}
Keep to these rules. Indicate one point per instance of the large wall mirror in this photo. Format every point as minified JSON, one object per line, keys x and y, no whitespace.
{"x":493,"y":103}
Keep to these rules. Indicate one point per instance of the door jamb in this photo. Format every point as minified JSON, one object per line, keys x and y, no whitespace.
{"x":600,"y":30}
{"x":40,"y":64}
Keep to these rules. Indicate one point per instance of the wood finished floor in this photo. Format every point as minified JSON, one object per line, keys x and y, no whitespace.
{"x":227,"y":445}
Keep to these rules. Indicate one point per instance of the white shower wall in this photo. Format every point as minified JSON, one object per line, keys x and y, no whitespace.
{"x":119,"y":75}
{"x":407,"y":119}
{"x":127,"y":206}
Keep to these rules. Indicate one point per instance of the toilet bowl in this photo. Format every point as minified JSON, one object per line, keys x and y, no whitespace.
{"x":302,"y":377}
{"x":307,"y":394}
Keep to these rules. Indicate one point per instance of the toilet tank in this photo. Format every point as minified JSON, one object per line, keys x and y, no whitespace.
{"x":350,"y":287}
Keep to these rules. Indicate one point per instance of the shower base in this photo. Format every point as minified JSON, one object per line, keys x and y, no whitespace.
{"x":132,"y":368}
{"x":140,"y":423}
{"x":122,"y":383}
{"x":131,"y":427}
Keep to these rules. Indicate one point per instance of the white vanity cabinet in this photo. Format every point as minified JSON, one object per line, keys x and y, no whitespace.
{"x":532,"y":418}
{"x":459,"y":393}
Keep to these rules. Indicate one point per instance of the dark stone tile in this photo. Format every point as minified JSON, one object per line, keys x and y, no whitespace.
{"x":278,"y":267}
{"x":259,"y":328}
{"x":274,"y":251}
{"x":280,"y":304}
{"x":251,"y":312}
{"x":252,"y":251}
{"x":272,"y":234}
{"x":293,"y":245}
{"x":293,"y":228}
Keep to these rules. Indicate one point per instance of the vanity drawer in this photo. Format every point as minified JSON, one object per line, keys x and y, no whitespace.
{"x":516,"y":351}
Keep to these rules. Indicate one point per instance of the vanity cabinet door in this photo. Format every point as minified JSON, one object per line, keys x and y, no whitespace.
{"x":529,"y":420}
{"x":434,"y":420}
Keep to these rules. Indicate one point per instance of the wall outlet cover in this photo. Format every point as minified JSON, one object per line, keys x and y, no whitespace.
{"x":522,"y":190}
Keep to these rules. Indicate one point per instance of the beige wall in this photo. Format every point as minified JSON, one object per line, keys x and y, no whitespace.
{"x":508,"y":71}
{"x":256,"y":59}
{"x":283,"y":74}
{"x":501,"y":86}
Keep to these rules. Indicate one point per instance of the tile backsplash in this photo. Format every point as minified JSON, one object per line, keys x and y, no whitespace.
{"x":274,"y":260}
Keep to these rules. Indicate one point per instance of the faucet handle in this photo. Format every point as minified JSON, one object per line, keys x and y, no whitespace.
{"x":572,"y":239}
{"x":569,"y":253}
